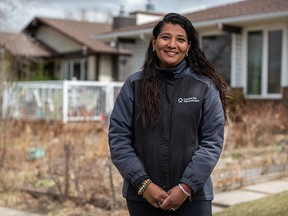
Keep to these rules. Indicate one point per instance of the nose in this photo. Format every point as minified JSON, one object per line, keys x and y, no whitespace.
{"x":172,"y":43}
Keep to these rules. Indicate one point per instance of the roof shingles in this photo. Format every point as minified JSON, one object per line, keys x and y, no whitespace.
{"x":22,"y":45}
{"x":80,"y":31}
{"x":241,"y":8}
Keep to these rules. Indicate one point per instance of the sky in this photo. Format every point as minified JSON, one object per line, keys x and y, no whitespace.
{"x":92,"y":10}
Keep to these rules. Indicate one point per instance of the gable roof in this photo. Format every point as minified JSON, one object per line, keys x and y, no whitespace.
{"x":240,"y":8}
{"x":79,"y":31}
{"x":19,"y":44}
{"x":231,"y":12}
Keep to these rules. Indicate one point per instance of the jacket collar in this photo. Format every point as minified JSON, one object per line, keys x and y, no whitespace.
{"x":179,"y":71}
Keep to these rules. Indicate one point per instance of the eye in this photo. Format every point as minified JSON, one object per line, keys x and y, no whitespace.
{"x":181,"y":40}
{"x":165,"y":37}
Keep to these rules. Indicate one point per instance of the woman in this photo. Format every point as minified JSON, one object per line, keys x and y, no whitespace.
{"x":166,"y":128}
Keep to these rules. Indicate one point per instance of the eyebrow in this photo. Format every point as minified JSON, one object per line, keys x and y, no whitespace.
{"x":180,"y":35}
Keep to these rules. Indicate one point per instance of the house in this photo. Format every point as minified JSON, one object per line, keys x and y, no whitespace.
{"x":68,"y":51}
{"x":16,"y":50}
{"x":246,"y":40}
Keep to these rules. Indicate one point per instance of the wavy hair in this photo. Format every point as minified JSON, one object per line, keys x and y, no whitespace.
{"x":196,"y":59}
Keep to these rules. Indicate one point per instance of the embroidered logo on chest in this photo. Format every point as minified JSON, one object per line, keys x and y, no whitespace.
{"x":188,"y":100}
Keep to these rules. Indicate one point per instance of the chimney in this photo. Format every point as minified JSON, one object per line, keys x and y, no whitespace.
{"x":123,"y":21}
{"x":149,"y":6}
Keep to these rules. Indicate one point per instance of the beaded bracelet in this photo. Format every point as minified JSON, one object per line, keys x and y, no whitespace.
{"x":144,"y":186}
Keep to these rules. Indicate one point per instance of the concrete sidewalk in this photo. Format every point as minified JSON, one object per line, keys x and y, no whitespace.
{"x":12,"y":212}
{"x":249,"y":193}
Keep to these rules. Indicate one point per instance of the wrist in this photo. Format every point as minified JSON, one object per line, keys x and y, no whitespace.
{"x":185,"y":189}
{"x":143,"y":186}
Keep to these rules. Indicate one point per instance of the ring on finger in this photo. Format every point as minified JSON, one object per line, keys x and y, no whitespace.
{"x":159,"y":203}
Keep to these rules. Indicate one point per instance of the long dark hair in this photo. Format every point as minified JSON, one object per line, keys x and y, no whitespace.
{"x":196,"y":59}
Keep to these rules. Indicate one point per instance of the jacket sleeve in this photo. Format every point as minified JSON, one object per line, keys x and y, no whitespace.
{"x":211,"y":137}
{"x":120,"y":138}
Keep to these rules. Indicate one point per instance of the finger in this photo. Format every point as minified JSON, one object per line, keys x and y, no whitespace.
{"x":166,"y":204}
{"x":160,"y":201}
{"x":163,"y":197}
{"x":155,"y":205}
{"x":158,"y":204}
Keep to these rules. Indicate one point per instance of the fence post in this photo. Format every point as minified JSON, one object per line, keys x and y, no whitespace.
{"x":109,"y":98}
{"x":65,"y":101}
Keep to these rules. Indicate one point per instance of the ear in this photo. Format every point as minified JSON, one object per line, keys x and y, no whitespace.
{"x":153,"y":41}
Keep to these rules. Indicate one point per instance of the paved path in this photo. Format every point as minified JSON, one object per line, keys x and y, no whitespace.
{"x":12,"y":212}
{"x":249,"y":193}
{"x":221,"y":201}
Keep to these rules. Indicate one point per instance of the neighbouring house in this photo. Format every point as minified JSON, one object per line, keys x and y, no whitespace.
{"x":76,"y":54}
{"x":17,"y":52}
{"x":66,"y":50}
{"x":246,"y":40}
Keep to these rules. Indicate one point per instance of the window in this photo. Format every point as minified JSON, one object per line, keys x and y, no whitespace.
{"x":218,"y":49}
{"x":264,"y":60}
{"x":75,"y":69}
{"x":274,"y":61}
{"x":255,"y":43}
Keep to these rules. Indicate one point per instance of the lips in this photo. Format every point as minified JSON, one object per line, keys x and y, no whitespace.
{"x":170,"y":53}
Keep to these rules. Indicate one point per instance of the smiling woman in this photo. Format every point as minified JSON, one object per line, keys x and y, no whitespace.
{"x":166,"y":128}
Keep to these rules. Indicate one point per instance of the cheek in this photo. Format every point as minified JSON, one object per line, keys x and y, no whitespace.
{"x":159,"y":45}
{"x":185,"y":50}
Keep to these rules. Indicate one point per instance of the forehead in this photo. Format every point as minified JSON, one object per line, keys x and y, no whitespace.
{"x":170,"y":28}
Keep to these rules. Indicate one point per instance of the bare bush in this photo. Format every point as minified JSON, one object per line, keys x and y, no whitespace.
{"x":76,"y":165}
{"x":261,"y":122}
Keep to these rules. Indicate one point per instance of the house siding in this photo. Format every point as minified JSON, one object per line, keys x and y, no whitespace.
{"x":124,"y":64}
{"x":106,"y":65}
{"x":57,"y":41}
{"x":91,"y":68}
{"x":237,"y":59}
{"x":139,"y":51}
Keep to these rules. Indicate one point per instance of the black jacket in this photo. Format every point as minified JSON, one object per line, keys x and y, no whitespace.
{"x":184,"y":147}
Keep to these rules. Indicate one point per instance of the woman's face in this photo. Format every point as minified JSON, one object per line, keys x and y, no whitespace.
{"x":171,"y":45}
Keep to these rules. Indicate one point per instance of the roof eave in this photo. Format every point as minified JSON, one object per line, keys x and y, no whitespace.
{"x":241,"y":19}
{"x":112,"y":36}
{"x":139,"y":33}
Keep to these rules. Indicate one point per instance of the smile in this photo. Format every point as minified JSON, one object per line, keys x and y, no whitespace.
{"x":169,"y":53}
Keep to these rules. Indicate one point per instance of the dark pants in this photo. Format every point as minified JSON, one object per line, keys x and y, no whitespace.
{"x":194,"y":208}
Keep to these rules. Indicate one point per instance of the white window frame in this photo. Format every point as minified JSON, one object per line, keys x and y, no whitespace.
{"x":264,"y":76}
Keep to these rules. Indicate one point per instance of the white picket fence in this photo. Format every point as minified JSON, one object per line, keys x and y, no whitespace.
{"x":59,"y":100}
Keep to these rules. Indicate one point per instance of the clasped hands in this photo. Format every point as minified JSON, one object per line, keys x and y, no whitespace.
{"x":159,"y":198}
